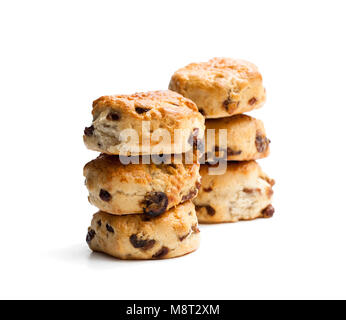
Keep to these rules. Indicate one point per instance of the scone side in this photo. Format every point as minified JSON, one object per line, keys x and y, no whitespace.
{"x":127,"y":125}
{"x":221,"y":87}
{"x":133,"y":237}
{"x":123,"y":189}
{"x":244,"y":192}
{"x":246,"y":138}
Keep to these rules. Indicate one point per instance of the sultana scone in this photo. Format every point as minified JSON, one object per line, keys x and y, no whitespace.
{"x":158,"y":122}
{"x":221,"y":87}
{"x":246,"y":139}
{"x":243,"y":192}
{"x":173,"y":234}
{"x":150,"y":189}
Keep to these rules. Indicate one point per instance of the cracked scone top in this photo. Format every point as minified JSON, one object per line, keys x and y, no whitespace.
{"x":173,"y":234}
{"x":139,"y":188}
{"x":221,"y":87}
{"x":246,"y":139}
{"x":144,"y":123}
{"x":243,"y":192}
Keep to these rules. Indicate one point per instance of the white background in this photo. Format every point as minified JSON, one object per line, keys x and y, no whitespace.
{"x":58,"y":56}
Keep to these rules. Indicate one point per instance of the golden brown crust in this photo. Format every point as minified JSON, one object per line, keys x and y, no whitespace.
{"x":243,"y":192}
{"x":146,"y":115}
{"x":221,"y":86}
{"x":120,"y":189}
{"x":246,"y":139}
{"x":173,"y":234}
{"x":159,"y":103}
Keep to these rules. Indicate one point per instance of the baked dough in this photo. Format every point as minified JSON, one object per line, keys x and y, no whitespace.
{"x":151,"y":189}
{"x":221,"y":87}
{"x":246,"y":139}
{"x":159,"y":122}
{"x":173,"y":234}
{"x":243,"y":192}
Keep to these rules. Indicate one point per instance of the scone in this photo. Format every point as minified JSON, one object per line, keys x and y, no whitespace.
{"x":151,"y":189}
{"x":221,"y":87}
{"x":246,"y":139}
{"x":173,"y":234}
{"x":243,"y":192}
{"x":158,"y":122}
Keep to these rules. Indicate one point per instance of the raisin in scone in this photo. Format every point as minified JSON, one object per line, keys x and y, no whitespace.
{"x":221,"y":87}
{"x":243,"y":192}
{"x":150,"y":189}
{"x":158,"y":122}
{"x":173,"y":234}
{"x":246,"y":139}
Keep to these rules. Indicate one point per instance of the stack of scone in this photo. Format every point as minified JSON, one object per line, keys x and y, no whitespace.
{"x":146,"y":209}
{"x":223,"y":89}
